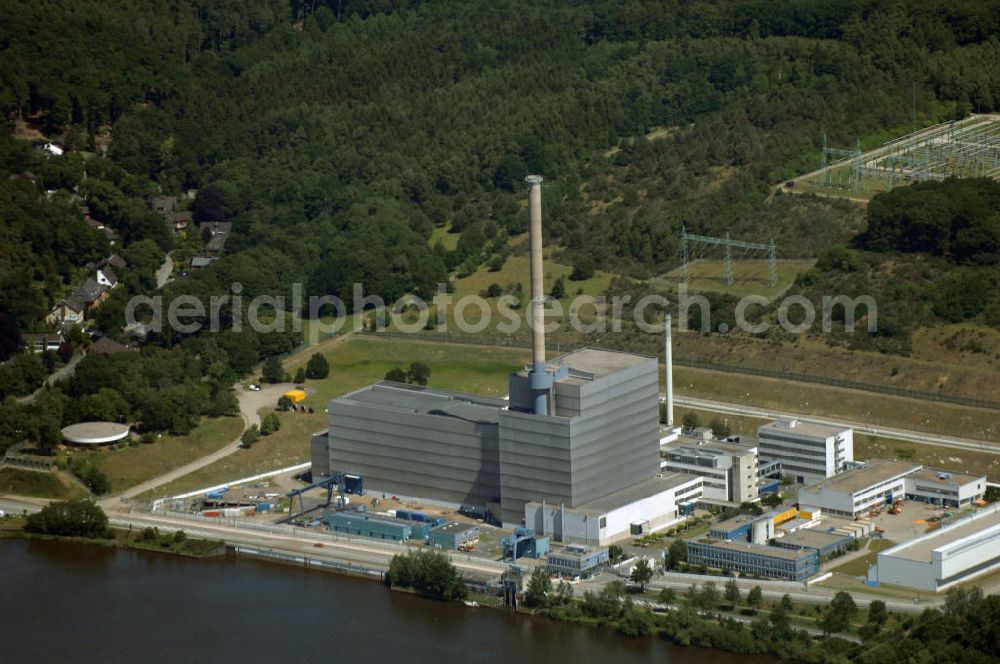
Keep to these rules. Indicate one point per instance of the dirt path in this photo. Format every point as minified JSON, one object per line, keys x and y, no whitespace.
{"x":57,"y":375}
{"x":301,"y":357}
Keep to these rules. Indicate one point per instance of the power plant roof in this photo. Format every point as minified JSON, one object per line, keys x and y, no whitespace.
{"x":428,"y":401}
{"x":592,"y":363}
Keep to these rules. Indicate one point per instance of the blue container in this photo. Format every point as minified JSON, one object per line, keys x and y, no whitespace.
{"x":263,"y":507}
{"x":403,"y":514}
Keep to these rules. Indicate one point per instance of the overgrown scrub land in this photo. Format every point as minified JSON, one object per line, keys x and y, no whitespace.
{"x":38,"y":484}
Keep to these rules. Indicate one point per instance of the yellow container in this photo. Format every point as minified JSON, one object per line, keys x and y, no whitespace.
{"x":295,"y":395}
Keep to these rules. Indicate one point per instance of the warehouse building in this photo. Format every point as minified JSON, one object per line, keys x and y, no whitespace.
{"x":642,"y":508}
{"x":824,"y":543}
{"x":730,"y":471}
{"x":856,"y":492}
{"x":960,"y":551}
{"x":770,"y":562}
{"x":454,"y":535}
{"x":577,"y":560}
{"x":807,"y":451}
{"x":944,"y":487}
{"x":376,"y":527}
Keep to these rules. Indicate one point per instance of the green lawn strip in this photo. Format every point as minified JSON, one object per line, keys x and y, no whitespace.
{"x":38,"y":484}
{"x":133,"y":465}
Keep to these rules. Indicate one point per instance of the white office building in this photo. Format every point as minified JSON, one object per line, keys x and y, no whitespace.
{"x":855,"y":492}
{"x":729,"y":470}
{"x":646,"y":507}
{"x":952,"y":554}
{"x":945,"y":487}
{"x":807,"y":451}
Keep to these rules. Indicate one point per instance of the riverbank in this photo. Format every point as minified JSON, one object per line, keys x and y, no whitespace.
{"x":146,"y":540}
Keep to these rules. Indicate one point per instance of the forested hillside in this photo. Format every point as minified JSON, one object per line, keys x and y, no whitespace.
{"x":350,"y":129}
{"x":335,"y":135}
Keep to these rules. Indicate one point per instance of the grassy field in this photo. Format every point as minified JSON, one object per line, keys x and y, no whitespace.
{"x":441,"y":234}
{"x":859,"y":566}
{"x":287,"y":447}
{"x":133,"y":465}
{"x":21,"y":482}
{"x":825,"y":401}
{"x":749,"y":277}
{"x":867,"y":447}
{"x":355,"y":363}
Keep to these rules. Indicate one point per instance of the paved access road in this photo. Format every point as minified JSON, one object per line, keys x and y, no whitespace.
{"x":881,"y":432}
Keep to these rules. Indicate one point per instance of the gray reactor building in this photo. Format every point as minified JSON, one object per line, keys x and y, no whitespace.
{"x":577,"y":437}
{"x":600,"y":436}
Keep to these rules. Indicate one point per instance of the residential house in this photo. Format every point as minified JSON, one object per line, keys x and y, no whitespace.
{"x":164,"y":204}
{"x":178,"y":221}
{"x":39,"y":343}
{"x":215,"y":234}
{"x":90,"y":294}
{"x":68,"y":312}
{"x":106,"y":346}
{"x":199,"y":262}
{"x":114,"y":260}
{"x":107,"y":277}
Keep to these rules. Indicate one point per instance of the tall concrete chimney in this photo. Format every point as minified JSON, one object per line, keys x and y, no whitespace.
{"x":668,"y":369}
{"x":540,"y":380}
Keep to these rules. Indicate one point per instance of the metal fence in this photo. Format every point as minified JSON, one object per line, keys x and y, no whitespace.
{"x":512,"y":342}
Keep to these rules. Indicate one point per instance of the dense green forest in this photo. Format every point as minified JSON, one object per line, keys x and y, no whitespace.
{"x":931,"y":252}
{"x":336,"y":135}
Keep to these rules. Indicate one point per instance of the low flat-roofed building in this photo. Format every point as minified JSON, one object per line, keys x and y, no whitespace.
{"x":855,"y":492}
{"x":376,"y":527}
{"x":577,"y":560}
{"x":824,"y":543}
{"x":945,"y":487}
{"x":957,"y":552}
{"x":744,"y":528}
{"x":808,"y":451}
{"x":730,"y":471}
{"x":654,"y":504}
{"x":770,"y":562}
{"x":454,"y":535}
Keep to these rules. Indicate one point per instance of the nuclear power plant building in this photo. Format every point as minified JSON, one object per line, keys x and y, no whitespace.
{"x":578,"y":435}
{"x":600,"y":437}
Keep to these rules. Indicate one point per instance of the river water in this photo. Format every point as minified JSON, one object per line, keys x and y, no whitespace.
{"x":79,"y":603}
